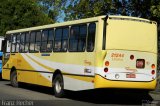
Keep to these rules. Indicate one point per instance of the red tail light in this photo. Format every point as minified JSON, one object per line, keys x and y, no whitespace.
{"x":153,"y":72}
{"x":105,"y":70}
{"x":131,"y":57}
{"x":140,"y":63}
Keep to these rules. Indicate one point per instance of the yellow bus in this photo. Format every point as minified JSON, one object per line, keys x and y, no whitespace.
{"x":99,"y":52}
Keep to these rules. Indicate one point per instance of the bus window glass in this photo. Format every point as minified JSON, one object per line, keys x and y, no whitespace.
{"x":73,"y":42}
{"x":32,"y":41}
{"x":38,"y":41}
{"x":65,"y":39}
{"x":22,"y":42}
{"x":82,"y":38}
{"x":14,"y":43}
{"x":9,"y":38}
{"x":57,"y":40}
{"x":78,"y":38}
{"x":44,"y":41}
{"x":18,"y":43}
{"x":27,"y":42}
{"x":65,"y":33}
{"x":50,"y":40}
{"x":91,"y":37}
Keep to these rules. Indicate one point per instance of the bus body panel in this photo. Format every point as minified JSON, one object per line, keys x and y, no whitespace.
{"x":125,"y":36}
{"x":120,"y":62}
{"x":38,"y":68}
{"x":122,"y":68}
{"x":101,"y":82}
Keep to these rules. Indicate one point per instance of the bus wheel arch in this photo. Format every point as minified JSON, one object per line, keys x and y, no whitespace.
{"x":58,"y":84}
{"x":13,"y":77}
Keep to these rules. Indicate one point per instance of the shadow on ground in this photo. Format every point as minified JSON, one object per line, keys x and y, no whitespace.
{"x":110,"y":96}
{"x":98,"y":96}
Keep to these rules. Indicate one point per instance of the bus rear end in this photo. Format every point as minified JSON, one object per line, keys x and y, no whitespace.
{"x":130,"y":56}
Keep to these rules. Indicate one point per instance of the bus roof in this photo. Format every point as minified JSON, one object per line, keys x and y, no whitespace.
{"x":86,"y":20}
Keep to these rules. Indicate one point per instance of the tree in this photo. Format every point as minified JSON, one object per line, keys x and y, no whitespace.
{"x":78,"y":9}
{"x":149,"y":9}
{"x":87,"y":8}
{"x":15,"y":14}
{"x":155,"y":11}
{"x":52,"y":8}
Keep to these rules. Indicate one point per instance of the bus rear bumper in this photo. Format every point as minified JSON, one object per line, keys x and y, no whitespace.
{"x":101,"y":82}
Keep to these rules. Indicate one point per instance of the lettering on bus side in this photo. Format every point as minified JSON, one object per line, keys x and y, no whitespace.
{"x":117,"y":56}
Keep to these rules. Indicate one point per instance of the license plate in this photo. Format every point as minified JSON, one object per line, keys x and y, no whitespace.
{"x":130,"y":75}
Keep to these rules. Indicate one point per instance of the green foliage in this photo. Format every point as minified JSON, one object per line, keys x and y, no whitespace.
{"x":78,"y":9}
{"x":86,"y":8}
{"x":52,"y":8}
{"x":155,"y":11}
{"x":15,"y":14}
{"x":149,"y":9}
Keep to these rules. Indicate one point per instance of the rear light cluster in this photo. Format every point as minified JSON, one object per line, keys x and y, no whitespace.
{"x":153,"y":69}
{"x":106,"y":64}
{"x":140,"y":63}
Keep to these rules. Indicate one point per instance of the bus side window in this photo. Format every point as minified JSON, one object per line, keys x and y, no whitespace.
{"x":82,"y":38}
{"x":8,"y":47}
{"x":27,"y":42}
{"x":22,"y":42}
{"x":73,"y":41}
{"x":32,"y":42}
{"x":38,"y":41}
{"x":91,"y":37}
{"x":57,"y":39}
{"x":78,"y":38}
{"x":13,"y":43}
{"x":44,"y":41}
{"x":50,"y":40}
{"x":65,"y":39}
{"x":18,"y":43}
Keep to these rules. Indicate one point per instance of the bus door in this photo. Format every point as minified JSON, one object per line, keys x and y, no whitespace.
{"x":6,"y":45}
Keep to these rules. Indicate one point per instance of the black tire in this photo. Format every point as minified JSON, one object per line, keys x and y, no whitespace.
{"x":58,"y":86}
{"x":13,"y":80}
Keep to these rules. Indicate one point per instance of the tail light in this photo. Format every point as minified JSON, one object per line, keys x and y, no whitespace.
{"x":153,"y":72}
{"x":107,"y":63}
{"x":153,"y":66}
{"x":105,"y":70}
{"x":131,"y":57}
{"x":140,"y":63}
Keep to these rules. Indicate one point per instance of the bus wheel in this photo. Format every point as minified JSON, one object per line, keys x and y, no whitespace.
{"x":14,"y":81}
{"x":58,"y":86}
